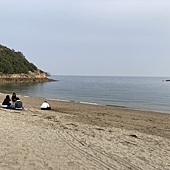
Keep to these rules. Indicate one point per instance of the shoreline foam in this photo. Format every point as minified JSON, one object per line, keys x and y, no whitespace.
{"x":97,"y":104}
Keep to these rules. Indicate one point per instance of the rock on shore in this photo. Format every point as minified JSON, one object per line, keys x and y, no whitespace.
{"x":36,"y":76}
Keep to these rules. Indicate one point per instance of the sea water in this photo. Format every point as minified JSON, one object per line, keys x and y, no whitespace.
{"x":146,"y":93}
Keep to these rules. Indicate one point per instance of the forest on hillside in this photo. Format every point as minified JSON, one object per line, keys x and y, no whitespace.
{"x":12,"y":62}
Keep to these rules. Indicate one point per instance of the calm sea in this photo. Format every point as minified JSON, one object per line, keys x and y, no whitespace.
{"x":146,"y":93}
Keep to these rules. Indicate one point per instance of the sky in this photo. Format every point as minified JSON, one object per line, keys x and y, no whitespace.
{"x":90,"y":37}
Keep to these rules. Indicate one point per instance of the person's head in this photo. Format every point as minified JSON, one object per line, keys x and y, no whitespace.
{"x":13,"y":94}
{"x":17,"y":98}
{"x":7,"y":97}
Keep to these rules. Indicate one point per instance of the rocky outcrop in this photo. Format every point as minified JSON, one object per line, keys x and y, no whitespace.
{"x":37,"y":76}
{"x":14,"y":67}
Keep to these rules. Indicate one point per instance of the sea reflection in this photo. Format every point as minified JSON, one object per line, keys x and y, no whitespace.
{"x":29,"y":89}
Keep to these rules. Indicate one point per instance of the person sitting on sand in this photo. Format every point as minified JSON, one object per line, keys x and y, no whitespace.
{"x":18,"y":104}
{"x":6,"y":103}
{"x":13,"y":98}
{"x":45,"y":106}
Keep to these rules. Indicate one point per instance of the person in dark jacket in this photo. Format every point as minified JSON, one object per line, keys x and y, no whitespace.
{"x":18,"y":104}
{"x":6,"y":103}
{"x":13,"y":98}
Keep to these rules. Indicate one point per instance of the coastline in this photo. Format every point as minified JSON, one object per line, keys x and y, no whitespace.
{"x":25,"y":80}
{"x":106,"y":114}
{"x":83,"y":136}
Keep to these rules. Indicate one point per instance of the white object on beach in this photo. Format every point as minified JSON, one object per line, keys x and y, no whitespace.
{"x":44,"y":105}
{"x":4,"y":106}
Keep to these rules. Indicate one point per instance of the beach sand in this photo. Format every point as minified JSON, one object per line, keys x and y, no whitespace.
{"x":74,"y":136}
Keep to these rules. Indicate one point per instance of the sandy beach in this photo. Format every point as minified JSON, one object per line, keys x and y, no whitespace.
{"x":74,"y":136}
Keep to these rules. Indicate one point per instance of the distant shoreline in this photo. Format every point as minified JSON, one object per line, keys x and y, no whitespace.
{"x":25,"y":80}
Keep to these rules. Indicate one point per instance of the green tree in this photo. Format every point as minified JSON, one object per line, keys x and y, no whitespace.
{"x":14,"y":62}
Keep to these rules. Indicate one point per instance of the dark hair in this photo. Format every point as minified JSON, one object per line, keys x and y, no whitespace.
{"x":7,"y":97}
{"x":13,"y":97}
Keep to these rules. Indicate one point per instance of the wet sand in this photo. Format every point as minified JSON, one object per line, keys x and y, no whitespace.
{"x":82,"y":136}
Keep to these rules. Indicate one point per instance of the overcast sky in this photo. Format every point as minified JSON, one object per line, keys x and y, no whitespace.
{"x":90,"y":37}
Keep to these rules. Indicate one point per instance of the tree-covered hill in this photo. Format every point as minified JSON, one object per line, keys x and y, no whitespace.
{"x":12,"y":62}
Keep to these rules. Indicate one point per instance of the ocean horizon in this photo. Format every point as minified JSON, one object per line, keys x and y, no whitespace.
{"x":144,"y":93}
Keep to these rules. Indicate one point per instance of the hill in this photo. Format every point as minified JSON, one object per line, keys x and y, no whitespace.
{"x":15,"y":67}
{"x":12,"y":62}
